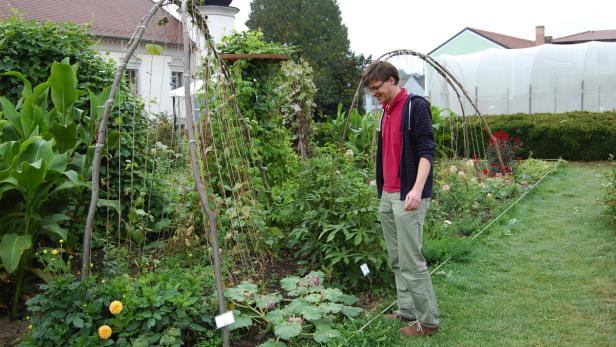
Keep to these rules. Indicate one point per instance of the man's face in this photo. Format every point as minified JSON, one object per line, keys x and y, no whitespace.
{"x":382,"y":90}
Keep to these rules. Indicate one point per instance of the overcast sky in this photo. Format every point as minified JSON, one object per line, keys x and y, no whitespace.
{"x":423,"y":25}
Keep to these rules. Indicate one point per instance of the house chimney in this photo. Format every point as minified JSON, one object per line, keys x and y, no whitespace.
{"x":539,"y":35}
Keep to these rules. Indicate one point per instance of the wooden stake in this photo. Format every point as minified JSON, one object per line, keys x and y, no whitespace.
{"x":102,"y":134}
{"x":197,"y":175}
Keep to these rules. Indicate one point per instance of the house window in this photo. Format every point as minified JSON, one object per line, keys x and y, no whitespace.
{"x":176,"y":79}
{"x":131,"y":77}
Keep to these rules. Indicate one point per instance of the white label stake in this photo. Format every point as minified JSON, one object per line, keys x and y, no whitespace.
{"x":364,"y":268}
{"x":224,"y":319}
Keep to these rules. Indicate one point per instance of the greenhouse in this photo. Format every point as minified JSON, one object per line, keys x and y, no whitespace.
{"x":544,"y":79}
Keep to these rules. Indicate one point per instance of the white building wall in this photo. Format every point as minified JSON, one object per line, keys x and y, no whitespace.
{"x":153,"y":72}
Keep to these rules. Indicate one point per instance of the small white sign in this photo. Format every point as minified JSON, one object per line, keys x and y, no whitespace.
{"x":364,"y":268}
{"x":224,"y":319}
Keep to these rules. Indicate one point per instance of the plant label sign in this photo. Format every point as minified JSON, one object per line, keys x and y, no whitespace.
{"x":224,"y":319}
{"x":364,"y":268}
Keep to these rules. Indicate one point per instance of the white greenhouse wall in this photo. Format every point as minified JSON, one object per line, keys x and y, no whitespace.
{"x":543,"y":79}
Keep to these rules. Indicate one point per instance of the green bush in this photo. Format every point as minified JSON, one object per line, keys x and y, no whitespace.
{"x":165,"y":308}
{"x":572,"y":136}
{"x":331,"y":213}
{"x":31,"y":47}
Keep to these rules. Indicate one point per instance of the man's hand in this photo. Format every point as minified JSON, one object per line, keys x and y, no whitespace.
{"x":412,"y":201}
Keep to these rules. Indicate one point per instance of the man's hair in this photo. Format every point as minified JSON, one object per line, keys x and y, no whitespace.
{"x":380,"y":71}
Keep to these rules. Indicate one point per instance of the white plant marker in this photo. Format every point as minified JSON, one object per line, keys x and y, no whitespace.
{"x":364,"y":268}
{"x":222,"y":320}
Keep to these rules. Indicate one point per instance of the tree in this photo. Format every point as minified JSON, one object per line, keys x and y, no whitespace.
{"x":316,"y":28}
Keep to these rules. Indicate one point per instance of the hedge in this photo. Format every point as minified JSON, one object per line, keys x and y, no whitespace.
{"x":571,"y":136}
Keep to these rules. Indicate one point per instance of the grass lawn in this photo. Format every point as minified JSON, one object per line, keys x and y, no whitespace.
{"x":545,"y":276}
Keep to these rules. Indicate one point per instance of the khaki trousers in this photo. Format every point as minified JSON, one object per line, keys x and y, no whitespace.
{"x":403,"y":235}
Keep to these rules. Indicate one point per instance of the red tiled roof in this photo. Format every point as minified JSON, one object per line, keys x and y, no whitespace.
{"x":107,"y":18}
{"x":504,"y":40}
{"x":596,"y":35}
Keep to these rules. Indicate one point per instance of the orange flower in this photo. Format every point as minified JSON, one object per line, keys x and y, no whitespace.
{"x":115,"y":307}
{"x":104,"y":332}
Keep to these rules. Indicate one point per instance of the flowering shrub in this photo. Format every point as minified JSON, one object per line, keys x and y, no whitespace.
{"x":168,"y":308}
{"x":310,"y":309}
{"x":508,"y":148}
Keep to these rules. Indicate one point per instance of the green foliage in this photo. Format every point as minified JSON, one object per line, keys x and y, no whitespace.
{"x":40,"y":162}
{"x":165,"y":308}
{"x":359,"y":140}
{"x":295,"y":93}
{"x":262,"y":91}
{"x":251,"y":41}
{"x":572,"y":136}
{"x":331,"y":211}
{"x":316,"y":28}
{"x":31,"y":47}
{"x":310,"y":308}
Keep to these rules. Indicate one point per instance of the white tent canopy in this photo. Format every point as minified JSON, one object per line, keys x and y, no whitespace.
{"x":195,"y":86}
{"x":549,"y":78}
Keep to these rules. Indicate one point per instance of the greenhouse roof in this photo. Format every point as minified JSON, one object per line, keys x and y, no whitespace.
{"x":109,"y":18}
{"x":594,"y":35}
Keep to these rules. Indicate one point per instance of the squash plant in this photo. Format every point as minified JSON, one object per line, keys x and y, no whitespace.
{"x":39,"y":158}
{"x":309,"y":309}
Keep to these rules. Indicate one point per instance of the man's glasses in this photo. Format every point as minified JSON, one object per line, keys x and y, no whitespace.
{"x":375,"y":89}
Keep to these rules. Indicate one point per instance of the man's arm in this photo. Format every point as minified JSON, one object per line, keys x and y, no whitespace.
{"x":413,"y":198}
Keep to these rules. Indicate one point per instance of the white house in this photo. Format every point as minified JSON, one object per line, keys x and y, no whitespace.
{"x":113,"y":23}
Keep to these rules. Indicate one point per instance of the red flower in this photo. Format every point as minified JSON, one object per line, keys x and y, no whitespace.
{"x":485,"y":171}
{"x":519,"y":158}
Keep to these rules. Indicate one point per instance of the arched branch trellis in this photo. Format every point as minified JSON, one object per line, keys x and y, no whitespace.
{"x":451,"y":80}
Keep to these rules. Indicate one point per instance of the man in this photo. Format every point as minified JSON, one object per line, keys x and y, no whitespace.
{"x":406,"y":148}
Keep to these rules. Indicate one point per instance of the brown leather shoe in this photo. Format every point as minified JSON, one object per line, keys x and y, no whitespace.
{"x":416,"y":329}
{"x":398,"y":316}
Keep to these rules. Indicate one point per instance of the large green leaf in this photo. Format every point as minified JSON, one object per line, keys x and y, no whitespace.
{"x":325,"y":334}
{"x":27,"y":89}
{"x":12,"y":247}
{"x":51,"y":223}
{"x":11,"y":114}
{"x":8,"y":131}
{"x":241,"y":320}
{"x":115,"y":204}
{"x":351,"y":311}
{"x":31,"y":175}
{"x":272,"y":343}
{"x":268,"y":301}
{"x":34,"y":149}
{"x":63,"y":81}
{"x":58,"y":163}
{"x":287,"y":330}
{"x":65,"y":136}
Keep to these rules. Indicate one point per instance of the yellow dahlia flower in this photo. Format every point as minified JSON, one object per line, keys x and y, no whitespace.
{"x":104,"y":332}
{"x":115,"y":307}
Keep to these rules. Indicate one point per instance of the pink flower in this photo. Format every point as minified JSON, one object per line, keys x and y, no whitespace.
{"x":317,"y":280}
